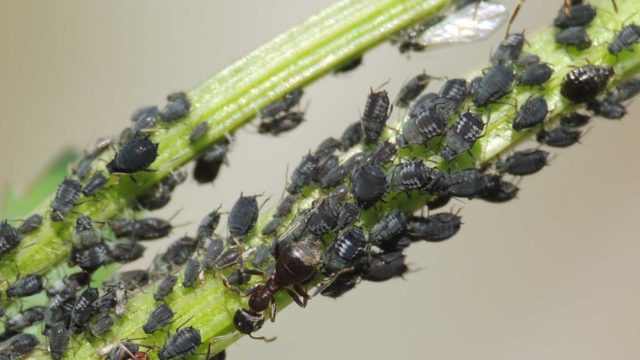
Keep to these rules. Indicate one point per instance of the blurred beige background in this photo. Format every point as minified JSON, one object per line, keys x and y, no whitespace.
{"x":553,"y":275}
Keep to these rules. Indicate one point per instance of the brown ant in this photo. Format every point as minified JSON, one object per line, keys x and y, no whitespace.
{"x":295,"y":265}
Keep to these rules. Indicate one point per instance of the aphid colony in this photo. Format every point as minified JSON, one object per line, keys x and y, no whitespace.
{"x":329,"y":237}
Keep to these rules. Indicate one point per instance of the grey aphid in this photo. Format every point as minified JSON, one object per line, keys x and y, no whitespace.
{"x":191,"y":272}
{"x":178,"y":106}
{"x":161,"y":316}
{"x":524,"y":162}
{"x":165,"y":287}
{"x":198,"y":132}
{"x":531,"y":113}
{"x":65,"y":199}
{"x":536,"y":74}
{"x":495,"y":83}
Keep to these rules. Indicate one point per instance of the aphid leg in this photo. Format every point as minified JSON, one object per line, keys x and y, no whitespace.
{"x":567,"y":8}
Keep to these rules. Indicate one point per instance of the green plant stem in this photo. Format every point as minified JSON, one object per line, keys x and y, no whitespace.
{"x":210,"y":307}
{"x":227,"y":101}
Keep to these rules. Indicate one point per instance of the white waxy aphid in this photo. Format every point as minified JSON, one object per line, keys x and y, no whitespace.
{"x":471,"y":23}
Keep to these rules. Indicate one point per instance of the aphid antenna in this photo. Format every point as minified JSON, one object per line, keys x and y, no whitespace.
{"x":515,"y":13}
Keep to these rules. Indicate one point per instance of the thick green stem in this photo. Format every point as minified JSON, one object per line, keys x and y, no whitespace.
{"x":226,"y":102}
{"x":210,"y":307}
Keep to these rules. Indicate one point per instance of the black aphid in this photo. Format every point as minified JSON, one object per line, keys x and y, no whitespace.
{"x":409,"y":38}
{"x":198,"y":132}
{"x":65,"y":199}
{"x":303,"y":173}
{"x":161,"y":316}
{"x":279,"y":106}
{"x":412,"y":89}
{"x":214,"y":250}
{"x":228,"y":258}
{"x":165,"y":287}
{"x":285,"y":206}
{"x":243,"y":215}
{"x":180,"y":251}
{"x":281,"y":123}
{"x":527,"y":60}
{"x":145,"y":118}
{"x":209,"y":163}
{"x":368,"y":185}
{"x":585,"y":83}
{"x":272,"y":226}
{"x":178,"y":106}
{"x":436,"y":227}
{"x":30,"y":224}
{"x":384,"y":153}
{"x":18,"y":345}
{"x":559,"y":137}
{"x":95,"y":184}
{"x":531,"y":113}
{"x":262,"y":254}
{"x":574,"y":120}
{"x":25,"y":318}
{"x":25,"y":286}
{"x":150,"y":229}
{"x":349,"y":214}
{"x":325,"y":165}
{"x":384,"y":266}
{"x":9,"y":237}
{"x":130,"y":280}
{"x":348,"y":65}
{"x":101,"y":326}
{"x":495,"y":83}
{"x":502,"y":192}
{"x":191,"y":272}
{"x":126,"y":251}
{"x":575,"y":36}
{"x":90,"y":258}
{"x":58,"y":340}
{"x":375,"y":116}
{"x":470,"y":183}
{"x":414,"y":175}
{"x":352,"y":135}
{"x":455,"y":90}
{"x":607,"y":109}
{"x":328,"y":146}
{"x":441,"y":201}
{"x":387,"y":228}
{"x":83,"y":307}
{"x":136,"y":155}
{"x":462,"y":135}
{"x":428,"y":119}
{"x":341,"y":285}
{"x":323,"y":217}
{"x":509,"y":50}
{"x":624,"y":91}
{"x":336,"y":175}
{"x":580,"y":15}
{"x":349,"y":245}
{"x":536,"y":74}
{"x":183,"y":342}
{"x":524,"y":162}
{"x":208,"y":225}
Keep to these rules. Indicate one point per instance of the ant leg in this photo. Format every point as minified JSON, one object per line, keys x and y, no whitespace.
{"x":230,"y":287}
{"x":272,"y":309}
{"x":302,"y":292}
{"x":296,"y":298}
{"x":330,"y":281}
{"x":256,"y":272}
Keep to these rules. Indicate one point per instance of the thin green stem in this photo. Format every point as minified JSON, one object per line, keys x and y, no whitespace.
{"x":226,"y":102}
{"x":210,"y":307}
